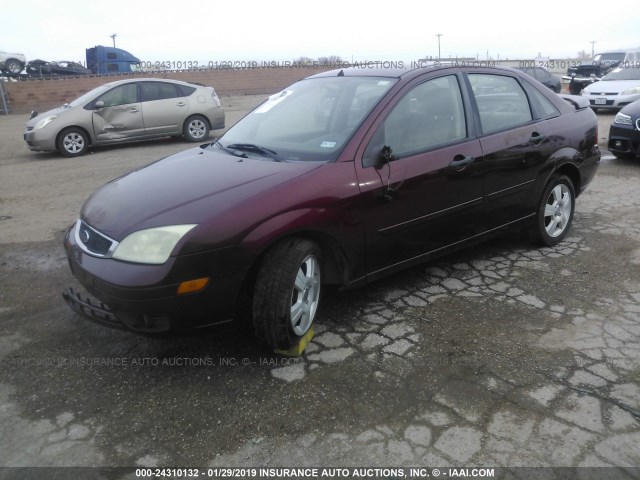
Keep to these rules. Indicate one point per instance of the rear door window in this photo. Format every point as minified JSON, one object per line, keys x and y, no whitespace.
{"x":158,"y":91}
{"x":502,"y":103}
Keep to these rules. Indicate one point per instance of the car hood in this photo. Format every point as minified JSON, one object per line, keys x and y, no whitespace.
{"x":191,"y":187}
{"x":56,"y":111}
{"x":612,"y":86}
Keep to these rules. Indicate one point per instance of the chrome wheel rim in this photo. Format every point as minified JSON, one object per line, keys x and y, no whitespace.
{"x":73,"y":142}
{"x":557,"y":211}
{"x":197,"y":128}
{"x":14,"y":67}
{"x":305,"y":295}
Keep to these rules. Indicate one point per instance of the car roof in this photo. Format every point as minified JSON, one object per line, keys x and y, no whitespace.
{"x":365,"y":71}
{"x":145,"y":79}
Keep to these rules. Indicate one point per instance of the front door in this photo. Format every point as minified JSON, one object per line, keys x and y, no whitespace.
{"x":120,"y":117}
{"x":428,"y":193}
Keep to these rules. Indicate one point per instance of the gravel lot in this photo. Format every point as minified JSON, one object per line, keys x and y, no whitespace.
{"x":501,"y":355}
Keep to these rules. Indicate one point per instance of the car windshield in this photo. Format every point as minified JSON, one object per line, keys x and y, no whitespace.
{"x":623,"y":73}
{"x":609,"y":57}
{"x":90,"y":95}
{"x":311,"y":120}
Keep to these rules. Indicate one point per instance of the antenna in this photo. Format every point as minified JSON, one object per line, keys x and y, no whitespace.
{"x":113,"y":37}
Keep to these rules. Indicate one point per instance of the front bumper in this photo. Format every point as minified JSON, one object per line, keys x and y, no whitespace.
{"x":145,"y":299}
{"x":624,"y":140}
{"x":40,"y":140}
{"x":611,"y":102}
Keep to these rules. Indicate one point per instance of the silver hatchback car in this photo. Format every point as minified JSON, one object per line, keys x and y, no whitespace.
{"x":124,"y":111}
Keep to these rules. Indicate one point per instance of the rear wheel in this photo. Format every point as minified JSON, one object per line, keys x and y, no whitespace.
{"x":287,"y":292}
{"x":72,"y":142}
{"x":196,"y":129}
{"x":555,"y":212}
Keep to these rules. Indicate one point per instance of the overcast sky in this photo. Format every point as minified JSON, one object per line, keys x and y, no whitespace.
{"x":208,"y":31}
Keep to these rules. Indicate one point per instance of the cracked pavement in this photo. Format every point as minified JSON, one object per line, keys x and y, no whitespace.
{"x":499,"y":355}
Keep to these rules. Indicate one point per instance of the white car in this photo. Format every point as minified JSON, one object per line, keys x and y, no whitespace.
{"x":618,"y":88}
{"x":12,"y":63}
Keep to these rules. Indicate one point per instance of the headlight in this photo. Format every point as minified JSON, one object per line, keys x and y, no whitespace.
{"x":631,"y":91}
{"x":584,"y":91}
{"x":622,"y":119}
{"x":153,"y":245}
{"x":44,"y":122}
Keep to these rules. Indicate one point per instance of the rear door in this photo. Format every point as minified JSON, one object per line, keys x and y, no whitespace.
{"x":163,"y":109}
{"x":517,"y":141}
{"x":120,"y":118}
{"x":429,"y":195}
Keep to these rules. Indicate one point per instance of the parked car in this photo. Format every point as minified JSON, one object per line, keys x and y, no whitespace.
{"x":341,"y":178}
{"x":618,"y":88}
{"x":586,"y":73}
{"x":126,"y":111}
{"x":544,"y":77}
{"x":12,"y":63}
{"x":64,"y":67}
{"x":624,"y":133}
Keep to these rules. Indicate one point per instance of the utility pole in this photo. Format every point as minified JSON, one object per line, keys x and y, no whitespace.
{"x":592,"y":42}
{"x":439,"y":35}
{"x":113,"y":37}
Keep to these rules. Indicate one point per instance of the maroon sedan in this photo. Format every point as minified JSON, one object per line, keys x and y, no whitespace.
{"x":341,"y":178}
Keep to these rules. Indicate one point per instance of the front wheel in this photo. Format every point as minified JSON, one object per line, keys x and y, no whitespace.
{"x":287,"y":292}
{"x":555,"y":212}
{"x":196,"y":129}
{"x":72,"y":142}
{"x":13,"y":67}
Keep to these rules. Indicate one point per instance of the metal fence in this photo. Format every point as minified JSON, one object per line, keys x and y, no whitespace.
{"x":4,"y":103}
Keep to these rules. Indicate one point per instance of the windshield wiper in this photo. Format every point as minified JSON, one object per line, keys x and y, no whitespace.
{"x":255,"y":148}
{"x":230,"y":151}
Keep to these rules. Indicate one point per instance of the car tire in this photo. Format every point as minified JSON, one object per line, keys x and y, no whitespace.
{"x":13,"y":67}
{"x":555,"y":212}
{"x":72,"y":142}
{"x":287,"y":292}
{"x":196,"y":129}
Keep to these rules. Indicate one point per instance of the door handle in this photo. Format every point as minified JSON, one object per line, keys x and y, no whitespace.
{"x":536,"y":138}
{"x":181,"y":104}
{"x":133,"y":110}
{"x":461,"y":161}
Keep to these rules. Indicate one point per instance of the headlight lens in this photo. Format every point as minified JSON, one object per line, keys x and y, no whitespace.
{"x":631,"y":91}
{"x":622,"y":119}
{"x":152,"y":246}
{"x":44,"y":122}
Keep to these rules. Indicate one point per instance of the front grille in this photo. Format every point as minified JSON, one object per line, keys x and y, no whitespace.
{"x":94,"y":242}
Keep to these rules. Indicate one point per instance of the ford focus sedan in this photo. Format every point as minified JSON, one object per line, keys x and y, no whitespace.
{"x":341,"y":178}
{"x":125,"y":111}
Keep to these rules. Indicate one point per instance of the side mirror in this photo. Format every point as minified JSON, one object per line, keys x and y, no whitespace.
{"x":98,"y":104}
{"x":384,"y":156}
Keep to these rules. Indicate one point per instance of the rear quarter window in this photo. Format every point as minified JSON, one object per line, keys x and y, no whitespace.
{"x":184,"y":90}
